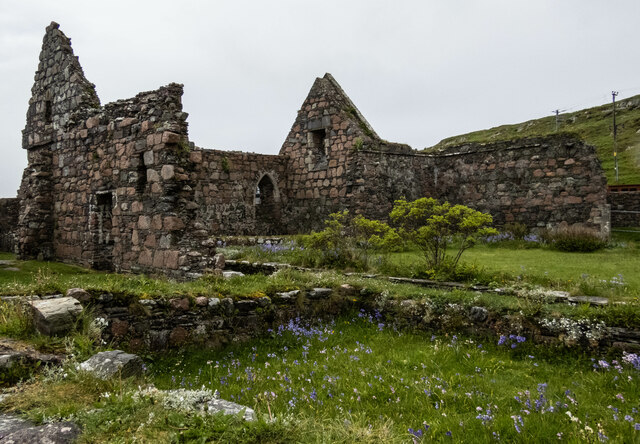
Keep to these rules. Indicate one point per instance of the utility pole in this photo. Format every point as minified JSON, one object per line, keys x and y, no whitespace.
{"x":557,"y":111}
{"x":615,"y":133}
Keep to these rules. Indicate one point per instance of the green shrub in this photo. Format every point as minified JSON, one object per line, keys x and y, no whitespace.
{"x":348,"y":242}
{"x":517,"y":230}
{"x":433,"y":227}
{"x":575,"y":239}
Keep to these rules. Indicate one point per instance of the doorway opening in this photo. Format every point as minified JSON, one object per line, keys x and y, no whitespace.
{"x":267,"y":205}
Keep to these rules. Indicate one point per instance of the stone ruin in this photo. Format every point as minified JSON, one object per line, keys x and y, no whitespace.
{"x":121,"y":187}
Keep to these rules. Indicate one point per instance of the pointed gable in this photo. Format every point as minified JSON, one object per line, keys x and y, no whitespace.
{"x":60,"y":90}
{"x":328,"y":125}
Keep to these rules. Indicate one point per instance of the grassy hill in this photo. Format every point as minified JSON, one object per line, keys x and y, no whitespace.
{"x":593,"y":125}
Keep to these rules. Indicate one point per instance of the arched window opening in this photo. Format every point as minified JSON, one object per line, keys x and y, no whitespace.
{"x":267,"y":204}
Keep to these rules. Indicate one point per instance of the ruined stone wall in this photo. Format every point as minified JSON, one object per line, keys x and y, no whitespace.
{"x":105,"y":186}
{"x":539,"y":182}
{"x":120,"y":187}
{"x":224,"y":192}
{"x":116,"y":184}
{"x":625,"y":208}
{"x":211,"y":322}
{"x":322,"y":148}
{"x":9,"y":211}
{"x":384,"y":177}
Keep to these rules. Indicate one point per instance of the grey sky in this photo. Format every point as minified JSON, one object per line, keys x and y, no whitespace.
{"x":419,"y":70}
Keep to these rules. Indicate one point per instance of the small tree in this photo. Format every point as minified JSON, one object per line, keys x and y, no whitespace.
{"x":433,"y":227}
{"x":350,"y":241}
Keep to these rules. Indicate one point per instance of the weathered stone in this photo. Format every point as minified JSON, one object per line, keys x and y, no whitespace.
{"x":478,"y":314}
{"x":218,"y":261}
{"x":231,"y":408}
{"x":288,"y":294}
{"x":118,"y":179}
{"x":56,"y":316}
{"x":11,"y":423}
{"x":202,"y":301}
{"x":180,"y":303}
{"x":318,"y":293}
{"x":80,"y":294}
{"x":119,"y":328}
{"x":115,"y":363}
{"x":24,"y":432}
{"x":169,"y":137}
{"x":158,"y":340}
{"x":231,"y":274}
{"x":167,"y":172}
{"x":593,"y":300}
{"x":201,"y":401}
{"x":173,"y":223}
{"x":148,"y":158}
{"x":227,"y":306}
{"x":178,"y":336}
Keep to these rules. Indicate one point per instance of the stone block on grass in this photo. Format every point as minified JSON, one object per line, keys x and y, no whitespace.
{"x":56,"y":316}
{"x":114,"y":363}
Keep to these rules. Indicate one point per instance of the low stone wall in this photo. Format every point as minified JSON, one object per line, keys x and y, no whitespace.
{"x":214,"y":321}
{"x":625,"y":208}
{"x":210,"y":322}
{"x":9,"y":211}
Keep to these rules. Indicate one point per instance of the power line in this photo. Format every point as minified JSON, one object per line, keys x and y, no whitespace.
{"x":557,"y":113}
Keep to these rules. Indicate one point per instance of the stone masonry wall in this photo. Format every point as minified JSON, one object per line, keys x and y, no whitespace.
{"x":384,"y":177}
{"x":104,"y":183}
{"x":625,"y":208}
{"x":224,"y":190}
{"x":539,"y":182}
{"x":120,"y":187}
{"x":323,"y":150}
{"x":9,"y":210}
{"x":550,"y":181}
{"x":160,"y":324}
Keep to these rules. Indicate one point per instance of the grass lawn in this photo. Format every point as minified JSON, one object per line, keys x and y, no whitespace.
{"x":569,"y":271}
{"x":356,"y":379}
{"x":602,"y":265}
{"x":611,"y":272}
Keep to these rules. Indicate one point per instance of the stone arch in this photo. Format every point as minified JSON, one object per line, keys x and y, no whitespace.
{"x":266,"y":202}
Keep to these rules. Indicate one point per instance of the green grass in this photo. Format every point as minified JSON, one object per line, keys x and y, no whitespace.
{"x":593,"y":125}
{"x":357,"y":380}
{"x":592,"y":274}
{"x":505,"y":267}
{"x":560,"y":266}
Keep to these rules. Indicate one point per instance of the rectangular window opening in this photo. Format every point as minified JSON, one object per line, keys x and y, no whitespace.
{"x":48,"y":111}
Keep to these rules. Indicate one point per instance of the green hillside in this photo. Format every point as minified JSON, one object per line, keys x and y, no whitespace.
{"x":593,"y":125}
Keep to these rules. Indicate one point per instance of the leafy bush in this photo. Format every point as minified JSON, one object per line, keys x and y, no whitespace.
{"x":517,"y":230}
{"x":575,"y":239}
{"x":433,"y":227}
{"x":349,"y":242}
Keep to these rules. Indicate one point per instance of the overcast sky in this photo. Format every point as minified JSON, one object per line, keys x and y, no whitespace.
{"x":418,"y":70}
